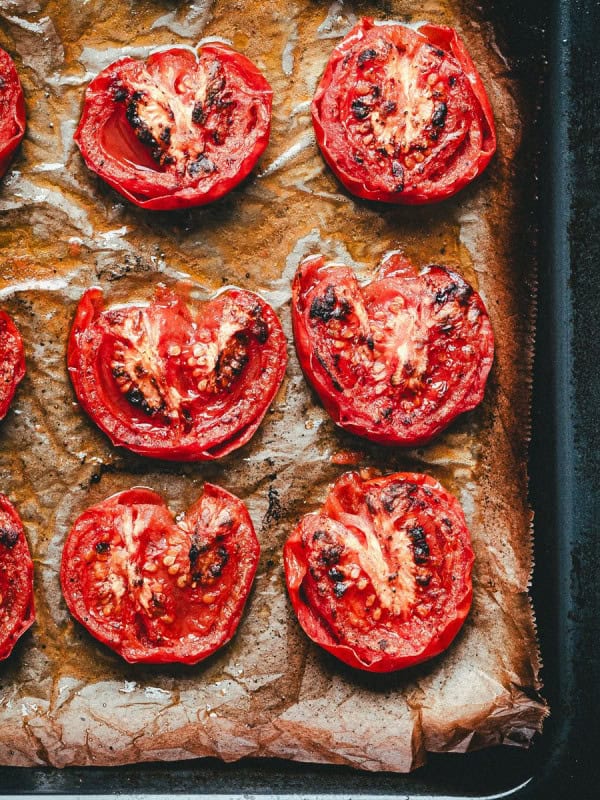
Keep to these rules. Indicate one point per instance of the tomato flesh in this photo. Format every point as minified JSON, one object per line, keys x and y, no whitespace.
{"x":401,"y":115}
{"x":395,"y":360}
{"x":155,"y":590}
{"x":381,"y":575}
{"x":12,"y":361}
{"x":178,"y":129}
{"x":17,"y":612}
{"x":12,"y":111}
{"x":177,"y":379}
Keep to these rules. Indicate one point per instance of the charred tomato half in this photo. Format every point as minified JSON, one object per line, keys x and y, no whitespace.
{"x":401,"y":115}
{"x":17,"y":612}
{"x":156,"y":590}
{"x":12,"y":361}
{"x":179,"y":129}
{"x":380,"y":576}
{"x":176,"y":378}
{"x":12,"y":111}
{"x":395,"y":360}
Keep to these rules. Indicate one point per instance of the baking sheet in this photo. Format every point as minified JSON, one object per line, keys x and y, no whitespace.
{"x":64,"y":698}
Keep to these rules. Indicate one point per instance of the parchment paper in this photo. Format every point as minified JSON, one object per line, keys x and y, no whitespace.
{"x":64,"y":698}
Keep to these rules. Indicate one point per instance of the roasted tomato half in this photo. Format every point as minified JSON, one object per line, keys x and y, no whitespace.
{"x":12,"y":361}
{"x":17,"y":612}
{"x":154,"y":589}
{"x":395,"y":360}
{"x":381,"y":575}
{"x":402,"y":115}
{"x":12,"y":111}
{"x":177,"y":379}
{"x":178,"y":129}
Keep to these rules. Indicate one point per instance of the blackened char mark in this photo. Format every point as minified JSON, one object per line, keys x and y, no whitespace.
{"x":201,"y":165}
{"x":389,"y":495}
{"x":260,"y":328}
{"x":367,"y":55}
{"x":9,"y":537}
{"x":440,"y":112}
{"x":419,"y":544}
{"x":330,"y":554}
{"x":197,"y":549}
{"x":324,"y":307}
{"x":199,"y":114}
{"x":462,"y":293}
{"x":398,"y":173}
{"x":360,"y":109}
{"x":138,"y":399}
{"x":334,"y":382}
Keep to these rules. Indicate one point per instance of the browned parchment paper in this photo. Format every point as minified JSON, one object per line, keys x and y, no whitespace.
{"x":65,"y":699}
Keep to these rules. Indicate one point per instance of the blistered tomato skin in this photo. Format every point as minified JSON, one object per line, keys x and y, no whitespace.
{"x":156,"y":590}
{"x":381,"y":576}
{"x":177,"y":379}
{"x":12,"y":361}
{"x":176,"y":130}
{"x":401,"y":116}
{"x":17,"y":611}
{"x":397,"y":359}
{"x":12,"y":111}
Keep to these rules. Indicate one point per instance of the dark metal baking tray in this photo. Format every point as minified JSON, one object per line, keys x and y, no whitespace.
{"x":558,"y":41}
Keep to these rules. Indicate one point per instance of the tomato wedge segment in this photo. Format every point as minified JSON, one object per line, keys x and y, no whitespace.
{"x":177,"y":378}
{"x":156,"y":590}
{"x":179,"y":129}
{"x":12,"y":111}
{"x":397,"y":359}
{"x":401,"y":115}
{"x":17,"y":610}
{"x":12,"y":361}
{"x":381,"y":576}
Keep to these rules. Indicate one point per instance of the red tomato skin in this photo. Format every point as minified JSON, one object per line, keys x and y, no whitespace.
{"x":17,"y":588}
{"x":12,"y":361}
{"x":353,"y":409}
{"x":447,"y":39}
{"x":131,"y":180}
{"x":125,"y":639}
{"x":12,"y":111}
{"x":83,"y":365}
{"x":370,"y":660}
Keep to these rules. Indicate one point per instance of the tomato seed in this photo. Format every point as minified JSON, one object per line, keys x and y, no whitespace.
{"x":181,"y":581}
{"x":173,"y":570}
{"x":376,"y":614}
{"x":369,"y":601}
{"x":174,"y":350}
{"x":362,"y":584}
{"x":168,"y":561}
